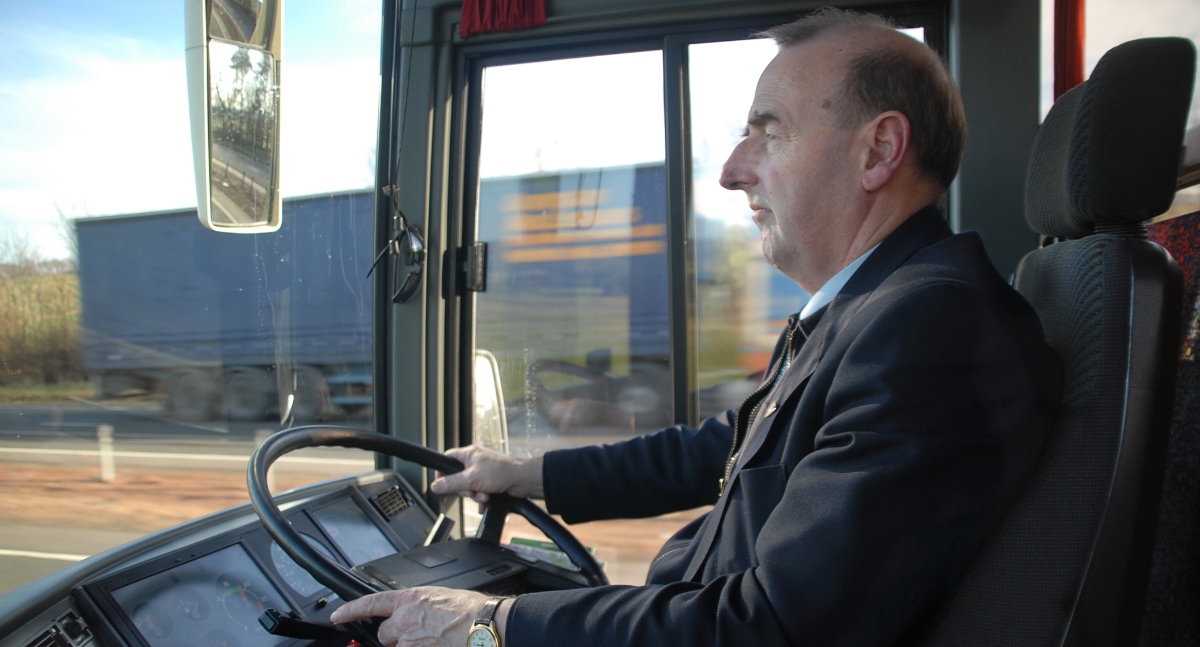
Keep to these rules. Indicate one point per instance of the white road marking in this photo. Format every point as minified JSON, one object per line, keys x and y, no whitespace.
{"x":63,"y":557}
{"x":203,"y":457}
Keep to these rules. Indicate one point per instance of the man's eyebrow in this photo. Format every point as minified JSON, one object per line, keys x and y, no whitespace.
{"x":760,"y":119}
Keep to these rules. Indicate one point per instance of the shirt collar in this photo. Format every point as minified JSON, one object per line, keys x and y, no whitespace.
{"x":834,"y":285}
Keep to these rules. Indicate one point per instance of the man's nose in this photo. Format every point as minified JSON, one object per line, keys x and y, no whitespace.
{"x":735,"y":175}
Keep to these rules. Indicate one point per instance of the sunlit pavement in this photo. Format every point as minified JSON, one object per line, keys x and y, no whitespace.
{"x":28,"y":552}
{"x":46,"y":440}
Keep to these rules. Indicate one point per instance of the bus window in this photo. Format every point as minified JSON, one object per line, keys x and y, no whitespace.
{"x":742,"y":302}
{"x":572,"y":203}
{"x":1108,"y":23}
{"x":143,"y":354}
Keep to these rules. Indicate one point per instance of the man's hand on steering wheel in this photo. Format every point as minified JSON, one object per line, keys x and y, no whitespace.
{"x":488,"y":472}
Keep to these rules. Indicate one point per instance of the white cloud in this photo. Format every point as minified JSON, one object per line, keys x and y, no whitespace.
{"x":96,"y":125}
{"x":573,"y":113}
{"x":329,"y":125}
{"x":99,"y":127}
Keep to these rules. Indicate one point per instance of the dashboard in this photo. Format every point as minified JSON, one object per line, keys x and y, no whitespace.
{"x":212,"y":593}
{"x":205,"y":584}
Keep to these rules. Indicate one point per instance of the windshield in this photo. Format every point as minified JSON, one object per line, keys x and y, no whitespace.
{"x":143,"y":355}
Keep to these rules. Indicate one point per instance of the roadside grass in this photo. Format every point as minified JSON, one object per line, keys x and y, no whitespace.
{"x":49,"y":393}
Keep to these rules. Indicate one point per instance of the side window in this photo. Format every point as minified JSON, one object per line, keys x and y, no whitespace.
{"x":572,"y":202}
{"x":742,"y":302}
{"x":575,"y":320}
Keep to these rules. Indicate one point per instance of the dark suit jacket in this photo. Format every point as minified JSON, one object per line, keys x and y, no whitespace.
{"x":909,"y":420}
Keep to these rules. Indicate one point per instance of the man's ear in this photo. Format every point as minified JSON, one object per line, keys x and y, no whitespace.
{"x":887,"y":138}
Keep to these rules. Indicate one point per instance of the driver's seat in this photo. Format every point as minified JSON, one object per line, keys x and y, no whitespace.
{"x":1070,"y":563}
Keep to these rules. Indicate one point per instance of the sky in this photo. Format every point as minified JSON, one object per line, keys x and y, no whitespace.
{"x":94,"y":113}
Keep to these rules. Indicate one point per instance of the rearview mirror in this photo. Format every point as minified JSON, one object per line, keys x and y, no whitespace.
{"x":233,"y":50}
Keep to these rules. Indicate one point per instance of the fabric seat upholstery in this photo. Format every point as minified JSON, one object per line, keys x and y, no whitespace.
{"x":1069,"y":565}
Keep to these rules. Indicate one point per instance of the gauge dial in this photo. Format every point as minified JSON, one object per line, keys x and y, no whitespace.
{"x":221,"y":638}
{"x":190,"y":604}
{"x":152,"y":622}
{"x":291,"y":572}
{"x":241,"y":600}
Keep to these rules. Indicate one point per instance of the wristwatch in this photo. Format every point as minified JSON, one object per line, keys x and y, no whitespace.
{"x":483,"y":632}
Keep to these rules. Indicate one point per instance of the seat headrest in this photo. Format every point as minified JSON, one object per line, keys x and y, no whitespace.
{"x":1110,"y":148}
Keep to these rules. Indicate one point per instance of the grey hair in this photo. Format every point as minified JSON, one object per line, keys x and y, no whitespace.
{"x":886,"y":77}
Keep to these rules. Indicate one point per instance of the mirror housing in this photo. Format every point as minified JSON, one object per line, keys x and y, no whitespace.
{"x":491,"y":421}
{"x":234,"y":50}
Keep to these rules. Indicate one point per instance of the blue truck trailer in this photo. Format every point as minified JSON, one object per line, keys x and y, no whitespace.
{"x":172,"y":308}
{"x":576,"y":284}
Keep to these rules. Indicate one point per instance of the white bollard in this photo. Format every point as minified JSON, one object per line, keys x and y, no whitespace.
{"x":108,"y":465}
{"x":261,"y":436}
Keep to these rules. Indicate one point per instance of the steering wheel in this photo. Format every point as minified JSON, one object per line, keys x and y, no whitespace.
{"x":348,"y":584}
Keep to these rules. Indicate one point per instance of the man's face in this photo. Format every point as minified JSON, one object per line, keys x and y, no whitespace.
{"x":796,"y":167}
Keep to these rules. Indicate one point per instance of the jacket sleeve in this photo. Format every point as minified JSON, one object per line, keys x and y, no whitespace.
{"x":675,"y":469}
{"x":931,"y":417}
{"x":671,"y":470}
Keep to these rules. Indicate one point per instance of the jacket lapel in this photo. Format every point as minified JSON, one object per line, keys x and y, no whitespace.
{"x":808,"y":355}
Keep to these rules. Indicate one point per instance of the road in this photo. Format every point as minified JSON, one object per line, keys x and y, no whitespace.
{"x":79,"y":420}
{"x":45,"y":526}
{"x":56,"y":509}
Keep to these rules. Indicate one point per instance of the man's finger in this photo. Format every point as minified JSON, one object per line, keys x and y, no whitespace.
{"x":375,"y":605}
{"x":448,"y":484}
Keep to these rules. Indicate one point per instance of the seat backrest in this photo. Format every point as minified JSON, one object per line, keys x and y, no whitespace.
{"x":1069,"y":563}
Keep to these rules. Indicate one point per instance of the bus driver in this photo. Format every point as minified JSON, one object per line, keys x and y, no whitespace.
{"x":905,"y":406}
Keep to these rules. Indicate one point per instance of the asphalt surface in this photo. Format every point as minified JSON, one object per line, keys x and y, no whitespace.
{"x":67,"y":435}
{"x":142,"y":438}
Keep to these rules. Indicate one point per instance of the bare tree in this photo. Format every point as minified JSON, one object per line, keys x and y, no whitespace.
{"x":18,"y":257}
{"x":67,"y":234}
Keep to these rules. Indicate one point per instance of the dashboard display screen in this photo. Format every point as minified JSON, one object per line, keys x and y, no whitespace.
{"x":211,"y":601}
{"x":348,"y":526}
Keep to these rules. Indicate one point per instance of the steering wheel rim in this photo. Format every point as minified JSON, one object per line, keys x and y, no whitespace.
{"x":342,"y":580}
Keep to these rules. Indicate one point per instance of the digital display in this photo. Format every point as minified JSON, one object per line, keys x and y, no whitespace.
{"x":213,"y":601}
{"x":348,"y":526}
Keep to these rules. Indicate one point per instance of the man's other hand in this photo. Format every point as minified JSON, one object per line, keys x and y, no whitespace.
{"x":488,"y":472}
{"x":425,"y":616}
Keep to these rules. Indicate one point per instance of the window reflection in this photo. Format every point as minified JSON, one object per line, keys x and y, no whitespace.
{"x":742,"y":302}
{"x":572,"y":202}
{"x":242,"y":134}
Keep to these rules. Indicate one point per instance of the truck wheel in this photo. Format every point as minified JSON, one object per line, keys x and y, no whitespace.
{"x":245,"y":393}
{"x":190,"y":394}
{"x":311,"y":391}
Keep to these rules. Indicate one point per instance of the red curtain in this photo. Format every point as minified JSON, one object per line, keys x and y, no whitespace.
{"x":482,"y":16}
{"x":1068,"y":45}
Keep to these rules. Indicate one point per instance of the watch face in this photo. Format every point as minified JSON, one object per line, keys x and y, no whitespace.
{"x":481,"y":637}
